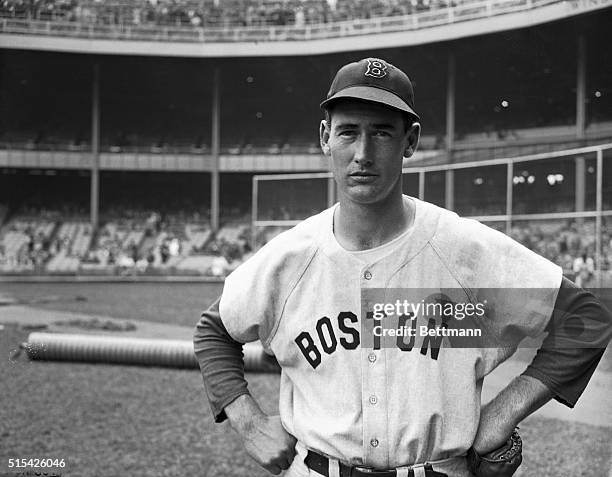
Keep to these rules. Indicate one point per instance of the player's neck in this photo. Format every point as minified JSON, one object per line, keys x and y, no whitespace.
{"x":362,"y":227}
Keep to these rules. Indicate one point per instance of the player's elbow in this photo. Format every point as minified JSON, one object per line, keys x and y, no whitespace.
{"x":209,"y":328}
{"x":210,"y":334}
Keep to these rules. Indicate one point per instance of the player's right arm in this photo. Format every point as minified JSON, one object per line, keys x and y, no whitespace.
{"x":221,"y":362}
{"x":250,"y":309}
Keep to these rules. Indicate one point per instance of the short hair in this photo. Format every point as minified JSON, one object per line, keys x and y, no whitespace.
{"x":408,"y":118}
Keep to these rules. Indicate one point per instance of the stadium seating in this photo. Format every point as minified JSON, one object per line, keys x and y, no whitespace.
{"x":231,"y":232}
{"x":198,"y":264}
{"x":136,"y":246}
{"x":561,"y":241}
{"x":23,"y":243}
{"x":14,"y":241}
{"x":268,"y":233}
{"x":210,"y":13}
{"x":70,"y":246}
{"x":197,"y":236}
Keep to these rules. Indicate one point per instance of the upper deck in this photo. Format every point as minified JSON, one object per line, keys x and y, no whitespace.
{"x":434,"y":25}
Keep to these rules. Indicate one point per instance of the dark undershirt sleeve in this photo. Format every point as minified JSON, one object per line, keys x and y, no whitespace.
{"x":578,"y":333}
{"x":221,"y":362}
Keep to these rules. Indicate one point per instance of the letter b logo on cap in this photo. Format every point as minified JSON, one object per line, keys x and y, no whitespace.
{"x":376,"y":68}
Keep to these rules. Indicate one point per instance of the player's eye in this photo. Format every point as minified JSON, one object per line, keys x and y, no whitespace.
{"x":382,"y":133}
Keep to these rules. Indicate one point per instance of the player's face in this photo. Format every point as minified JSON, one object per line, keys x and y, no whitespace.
{"x":366,"y":143}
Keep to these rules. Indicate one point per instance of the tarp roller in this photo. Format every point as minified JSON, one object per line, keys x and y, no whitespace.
{"x":129,"y":350}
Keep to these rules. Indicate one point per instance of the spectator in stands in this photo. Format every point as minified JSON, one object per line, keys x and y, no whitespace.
{"x":164,"y":252}
{"x":219,"y":266}
{"x":174,"y":247}
{"x":299,"y":16}
{"x":583,"y":268}
{"x":133,"y":251}
{"x":151,"y":257}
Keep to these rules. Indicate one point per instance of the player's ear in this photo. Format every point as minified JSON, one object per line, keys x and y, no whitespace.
{"x":412,"y":136}
{"x":324,"y":137}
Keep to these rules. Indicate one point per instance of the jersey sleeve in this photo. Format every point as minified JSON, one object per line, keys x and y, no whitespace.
{"x":517,"y":287}
{"x":578,"y":333}
{"x":254,"y":295}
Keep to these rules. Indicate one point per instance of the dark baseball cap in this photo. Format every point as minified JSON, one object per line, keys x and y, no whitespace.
{"x":373,"y":79}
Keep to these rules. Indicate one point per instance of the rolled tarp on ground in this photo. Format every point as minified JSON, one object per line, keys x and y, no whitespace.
{"x":128,"y":350}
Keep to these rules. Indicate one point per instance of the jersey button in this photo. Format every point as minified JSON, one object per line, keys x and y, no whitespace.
{"x":373,"y":399}
{"x":372,"y":357}
{"x":374,"y":442}
{"x":367,"y":275}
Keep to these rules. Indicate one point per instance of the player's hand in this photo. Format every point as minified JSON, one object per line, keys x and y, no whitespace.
{"x":270,"y":444}
{"x":264,"y":437}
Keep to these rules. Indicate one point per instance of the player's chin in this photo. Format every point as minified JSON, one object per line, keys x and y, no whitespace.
{"x":365,"y":194}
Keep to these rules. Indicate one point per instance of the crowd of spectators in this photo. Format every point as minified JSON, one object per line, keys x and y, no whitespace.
{"x":136,"y":240}
{"x":26,"y":245}
{"x":570,"y":244}
{"x":129,"y":240}
{"x":139,"y":241}
{"x":213,"y":13}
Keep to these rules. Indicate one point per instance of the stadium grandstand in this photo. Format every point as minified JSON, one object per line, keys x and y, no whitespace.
{"x":211,"y":13}
{"x":157,"y":137}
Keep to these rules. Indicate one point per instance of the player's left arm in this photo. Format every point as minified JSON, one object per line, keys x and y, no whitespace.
{"x":579,"y":330}
{"x":523,"y":396}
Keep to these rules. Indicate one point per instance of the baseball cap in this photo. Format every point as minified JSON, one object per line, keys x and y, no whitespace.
{"x":373,"y":79}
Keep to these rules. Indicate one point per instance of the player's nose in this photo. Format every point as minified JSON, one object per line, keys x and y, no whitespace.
{"x":361,"y":153}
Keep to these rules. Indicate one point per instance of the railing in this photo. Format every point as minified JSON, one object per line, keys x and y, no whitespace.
{"x":501,"y":205}
{"x":436,"y":17}
{"x":464,"y":149}
{"x":163,"y":149}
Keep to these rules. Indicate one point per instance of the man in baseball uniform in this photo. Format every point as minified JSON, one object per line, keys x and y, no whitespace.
{"x":357,"y":401}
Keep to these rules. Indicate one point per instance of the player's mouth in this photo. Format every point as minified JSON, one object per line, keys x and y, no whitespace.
{"x":363,"y":176}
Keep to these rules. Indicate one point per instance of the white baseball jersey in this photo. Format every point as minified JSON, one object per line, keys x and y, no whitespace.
{"x":388,"y":407}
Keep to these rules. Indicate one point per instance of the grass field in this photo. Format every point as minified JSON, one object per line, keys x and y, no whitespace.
{"x":110,"y":420}
{"x":177,"y":303}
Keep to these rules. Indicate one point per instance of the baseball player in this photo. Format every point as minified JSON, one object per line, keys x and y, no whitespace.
{"x":356,"y":404}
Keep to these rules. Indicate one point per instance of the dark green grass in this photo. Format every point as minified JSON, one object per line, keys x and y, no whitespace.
{"x":177,"y":303}
{"x":107,"y":420}
{"x":556,"y":448}
{"x":135,"y":421}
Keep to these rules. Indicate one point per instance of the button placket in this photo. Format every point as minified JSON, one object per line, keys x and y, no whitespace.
{"x":374,"y":381}
{"x":374,"y":410}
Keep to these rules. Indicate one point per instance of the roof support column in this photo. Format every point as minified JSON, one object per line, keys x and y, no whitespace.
{"x":581,"y":60}
{"x":95,"y":149}
{"x":581,"y":86}
{"x":580,"y":185}
{"x":215,"y":149}
{"x":450,"y":105}
{"x":449,"y":189}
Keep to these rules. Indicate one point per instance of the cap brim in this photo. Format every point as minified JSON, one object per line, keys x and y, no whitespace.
{"x":376,"y":95}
